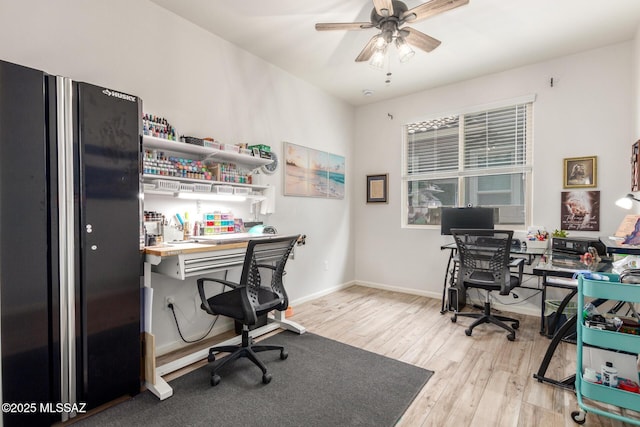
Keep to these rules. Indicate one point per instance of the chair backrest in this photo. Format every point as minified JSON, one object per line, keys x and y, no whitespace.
{"x":484,"y":257}
{"x":272,"y":252}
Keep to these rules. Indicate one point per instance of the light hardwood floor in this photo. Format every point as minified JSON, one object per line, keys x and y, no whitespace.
{"x":482,"y":380}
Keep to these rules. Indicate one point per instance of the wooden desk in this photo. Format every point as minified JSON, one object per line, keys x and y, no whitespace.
{"x":182,"y":261}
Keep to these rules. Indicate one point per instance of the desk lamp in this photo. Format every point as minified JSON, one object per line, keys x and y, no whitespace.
{"x":626,"y":202}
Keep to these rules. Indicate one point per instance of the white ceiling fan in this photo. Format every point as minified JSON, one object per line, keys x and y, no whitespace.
{"x":389,"y":16}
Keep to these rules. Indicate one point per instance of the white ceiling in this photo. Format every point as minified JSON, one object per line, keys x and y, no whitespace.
{"x":482,"y":37}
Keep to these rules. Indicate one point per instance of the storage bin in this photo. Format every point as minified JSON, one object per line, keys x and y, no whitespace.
{"x":162,"y":184}
{"x":222,"y":189}
{"x":552,"y":320}
{"x":537,"y":244}
{"x":241,"y":191}
{"x":232,"y":148}
{"x":187,"y":187}
{"x":202,"y":188}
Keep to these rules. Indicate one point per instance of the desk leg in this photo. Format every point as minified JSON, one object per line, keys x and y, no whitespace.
{"x":161,"y":388}
{"x":444,"y":286}
{"x":542,"y":302}
{"x":569,"y":382}
{"x":279,"y":318}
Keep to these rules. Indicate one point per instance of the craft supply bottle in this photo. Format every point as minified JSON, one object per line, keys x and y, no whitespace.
{"x":609,"y":375}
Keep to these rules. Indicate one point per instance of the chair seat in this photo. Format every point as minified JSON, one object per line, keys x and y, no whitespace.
{"x":229,"y":303}
{"x":513,"y":282}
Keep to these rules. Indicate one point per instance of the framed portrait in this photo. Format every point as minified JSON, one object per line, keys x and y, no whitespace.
{"x":378,"y":188}
{"x":580,"y":172}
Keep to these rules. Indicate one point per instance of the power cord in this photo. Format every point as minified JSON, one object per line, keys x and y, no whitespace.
{"x":170,"y":305}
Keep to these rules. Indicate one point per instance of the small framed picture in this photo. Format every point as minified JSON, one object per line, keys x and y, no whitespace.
{"x":580,"y":172}
{"x":256,"y":152}
{"x":378,"y":188}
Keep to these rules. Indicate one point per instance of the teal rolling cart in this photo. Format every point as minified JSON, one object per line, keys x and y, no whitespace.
{"x":611,"y":290}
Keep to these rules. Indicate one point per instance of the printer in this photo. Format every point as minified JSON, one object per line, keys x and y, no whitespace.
{"x":577,"y":245}
{"x":566,"y":251}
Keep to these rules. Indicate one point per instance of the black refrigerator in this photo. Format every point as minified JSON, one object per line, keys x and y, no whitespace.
{"x":69,"y":246}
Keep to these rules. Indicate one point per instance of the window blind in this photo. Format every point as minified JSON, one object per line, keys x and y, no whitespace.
{"x":433,"y":146}
{"x":496,"y":138}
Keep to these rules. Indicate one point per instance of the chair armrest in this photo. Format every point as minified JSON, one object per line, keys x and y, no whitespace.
{"x":271,"y":267}
{"x":203,"y":297}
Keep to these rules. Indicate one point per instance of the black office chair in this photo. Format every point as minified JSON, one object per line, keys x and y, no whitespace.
{"x":485,"y":264}
{"x":250,"y":299}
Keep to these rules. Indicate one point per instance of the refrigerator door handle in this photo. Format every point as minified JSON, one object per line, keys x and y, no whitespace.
{"x":64,"y":89}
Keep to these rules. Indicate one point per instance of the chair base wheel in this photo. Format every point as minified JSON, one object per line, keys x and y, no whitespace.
{"x":515,"y":325}
{"x":266,"y":378}
{"x":215,"y":380}
{"x":211,"y":357}
{"x":511,"y":337}
{"x":468,"y":332}
{"x":283,"y":355}
{"x":454,"y":319}
{"x":579,"y":417}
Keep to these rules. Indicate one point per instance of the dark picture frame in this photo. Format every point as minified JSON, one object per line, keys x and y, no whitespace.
{"x":580,"y":172}
{"x":378,"y":188}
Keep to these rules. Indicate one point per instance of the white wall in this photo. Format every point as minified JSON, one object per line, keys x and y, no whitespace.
{"x":204,"y":86}
{"x":589,"y":111}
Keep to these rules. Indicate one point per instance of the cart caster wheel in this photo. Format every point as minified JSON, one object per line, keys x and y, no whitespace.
{"x":515,"y":325}
{"x":211,"y":357}
{"x":579,"y":417}
{"x":511,"y":337}
{"x":215,"y":380}
{"x":467,"y":332}
{"x":283,"y":355}
{"x":266,"y":378}
{"x":454,"y":319}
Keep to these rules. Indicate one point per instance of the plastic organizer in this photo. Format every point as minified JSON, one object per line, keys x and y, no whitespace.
{"x":187,"y":187}
{"x":218,"y":223}
{"x":222,"y":189}
{"x":162,"y":184}
{"x":240,"y":191}
{"x":202,"y":188}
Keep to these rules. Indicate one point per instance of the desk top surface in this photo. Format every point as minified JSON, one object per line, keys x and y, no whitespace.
{"x":515,"y":250}
{"x":206,"y":244}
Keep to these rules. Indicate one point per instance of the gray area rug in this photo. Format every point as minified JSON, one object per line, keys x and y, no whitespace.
{"x":322,"y":383}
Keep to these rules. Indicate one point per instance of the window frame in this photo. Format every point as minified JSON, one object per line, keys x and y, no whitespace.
{"x":461,"y":174}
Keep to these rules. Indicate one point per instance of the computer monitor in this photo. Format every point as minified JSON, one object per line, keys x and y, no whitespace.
{"x":477,"y":218}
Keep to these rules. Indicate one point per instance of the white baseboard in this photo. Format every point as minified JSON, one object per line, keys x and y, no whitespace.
{"x":524,"y":308}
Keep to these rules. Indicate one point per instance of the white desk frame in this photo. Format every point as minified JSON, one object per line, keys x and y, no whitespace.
{"x":160,"y":387}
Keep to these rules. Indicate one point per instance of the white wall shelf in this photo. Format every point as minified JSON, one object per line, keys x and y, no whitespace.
{"x":148,"y":178}
{"x":212,"y":154}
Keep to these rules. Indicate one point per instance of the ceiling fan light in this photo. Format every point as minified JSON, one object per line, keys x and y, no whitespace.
{"x":377,"y":59}
{"x":405,"y":52}
{"x":380,"y":42}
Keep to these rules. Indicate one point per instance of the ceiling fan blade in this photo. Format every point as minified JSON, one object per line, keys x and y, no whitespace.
{"x":419,"y":39}
{"x":431,"y":8}
{"x":384,"y":7}
{"x":329,"y":26}
{"x":368,"y":50}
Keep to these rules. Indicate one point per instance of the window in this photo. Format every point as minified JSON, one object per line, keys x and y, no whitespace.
{"x":479,"y":158}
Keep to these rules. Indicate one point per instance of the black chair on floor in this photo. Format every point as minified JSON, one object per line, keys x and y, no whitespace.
{"x":250,"y":299}
{"x":485,"y":264}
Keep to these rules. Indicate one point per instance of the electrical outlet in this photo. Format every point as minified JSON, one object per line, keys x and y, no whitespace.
{"x":169,"y":300}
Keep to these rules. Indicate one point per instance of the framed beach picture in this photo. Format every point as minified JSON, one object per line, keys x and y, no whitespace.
{"x":580,"y":172}
{"x":378,"y":188}
{"x":313,"y":173}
